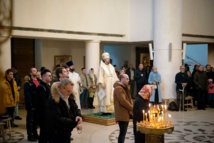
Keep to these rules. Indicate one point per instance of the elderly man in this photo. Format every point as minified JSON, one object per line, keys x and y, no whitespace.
{"x":62,"y":112}
{"x":106,"y":78}
{"x":181,"y":79}
{"x":123,"y":105}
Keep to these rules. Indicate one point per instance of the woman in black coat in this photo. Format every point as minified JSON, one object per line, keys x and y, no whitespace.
{"x":141,"y":103}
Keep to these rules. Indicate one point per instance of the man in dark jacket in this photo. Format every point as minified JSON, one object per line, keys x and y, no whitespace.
{"x":42,"y":94}
{"x":30,"y":104}
{"x":131,"y":72}
{"x":181,"y":79}
{"x":62,"y":112}
{"x":201,"y":85}
{"x":123,"y":105}
{"x":60,"y":72}
{"x":140,"y":77}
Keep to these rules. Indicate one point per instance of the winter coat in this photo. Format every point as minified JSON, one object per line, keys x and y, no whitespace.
{"x":42,"y":94}
{"x":9,"y":100}
{"x":60,"y":120}
{"x":122,"y":102}
{"x":200,"y":80}
{"x":30,"y":94}
{"x":181,"y":78}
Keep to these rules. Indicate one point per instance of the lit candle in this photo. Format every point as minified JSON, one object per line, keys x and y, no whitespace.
{"x":149,"y":105}
{"x":143,"y":114}
{"x":146,"y":116}
{"x":165,"y":108}
{"x":170,"y":118}
{"x":162,"y":115}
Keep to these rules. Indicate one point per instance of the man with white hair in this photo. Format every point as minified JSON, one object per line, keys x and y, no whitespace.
{"x":106,"y":78}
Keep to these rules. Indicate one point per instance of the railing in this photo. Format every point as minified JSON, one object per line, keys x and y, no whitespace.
{"x":195,"y":62}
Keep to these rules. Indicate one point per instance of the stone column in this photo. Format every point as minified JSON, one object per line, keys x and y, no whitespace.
{"x":92,"y":55}
{"x":92,"y":59}
{"x":5,"y":55}
{"x":167,"y":35}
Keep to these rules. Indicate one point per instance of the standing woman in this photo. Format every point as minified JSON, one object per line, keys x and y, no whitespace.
{"x":155,"y":79}
{"x":93,"y":88}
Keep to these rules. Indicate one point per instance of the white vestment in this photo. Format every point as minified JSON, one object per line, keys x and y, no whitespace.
{"x":107,"y":76}
{"x":75,"y":78}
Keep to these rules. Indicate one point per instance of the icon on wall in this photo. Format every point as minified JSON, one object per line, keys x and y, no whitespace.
{"x":62,"y":59}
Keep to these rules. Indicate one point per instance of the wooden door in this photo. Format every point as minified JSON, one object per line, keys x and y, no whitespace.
{"x":23,"y":57}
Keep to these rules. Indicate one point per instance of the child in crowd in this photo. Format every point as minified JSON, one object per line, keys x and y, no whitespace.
{"x":211,"y":93}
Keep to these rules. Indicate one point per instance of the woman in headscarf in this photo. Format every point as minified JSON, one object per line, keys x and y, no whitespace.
{"x":155,"y":79}
{"x":141,"y":103}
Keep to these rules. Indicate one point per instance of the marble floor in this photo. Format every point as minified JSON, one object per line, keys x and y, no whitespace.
{"x":193,"y":126}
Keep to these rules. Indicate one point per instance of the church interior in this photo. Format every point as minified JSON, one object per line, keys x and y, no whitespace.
{"x":161,"y":33}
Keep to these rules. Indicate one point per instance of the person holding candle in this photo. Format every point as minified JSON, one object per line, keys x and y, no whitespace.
{"x":123,"y":105}
{"x":141,"y":105}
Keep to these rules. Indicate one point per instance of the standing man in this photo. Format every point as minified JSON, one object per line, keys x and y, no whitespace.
{"x":106,"y":78}
{"x":201,"y":85}
{"x":30,"y":104}
{"x":123,"y":105}
{"x":75,"y":78}
{"x":62,"y":112}
{"x":60,"y":73}
{"x":10,"y":94}
{"x":140,"y":77}
{"x":42,"y":94}
{"x":86,"y":84}
{"x":131,"y":72}
{"x":181,"y":79}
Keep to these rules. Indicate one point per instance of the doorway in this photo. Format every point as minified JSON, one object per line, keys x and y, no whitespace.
{"x":23,"y":58}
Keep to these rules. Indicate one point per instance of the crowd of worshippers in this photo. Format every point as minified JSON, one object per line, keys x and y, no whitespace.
{"x":39,"y":86}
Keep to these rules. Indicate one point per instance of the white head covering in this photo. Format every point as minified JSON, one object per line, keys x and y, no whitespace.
{"x":105,"y":55}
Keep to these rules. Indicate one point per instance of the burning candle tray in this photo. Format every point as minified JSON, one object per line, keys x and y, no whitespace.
{"x":155,"y":131}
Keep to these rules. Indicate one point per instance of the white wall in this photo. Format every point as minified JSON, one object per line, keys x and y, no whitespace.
{"x":198,"y":17}
{"x":50,"y":48}
{"x":141,"y":18}
{"x":99,"y":16}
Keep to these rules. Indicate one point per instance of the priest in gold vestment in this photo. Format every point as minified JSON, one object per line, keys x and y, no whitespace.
{"x":106,"y":78}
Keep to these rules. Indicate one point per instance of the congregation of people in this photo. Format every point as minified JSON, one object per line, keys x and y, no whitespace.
{"x":54,"y":99}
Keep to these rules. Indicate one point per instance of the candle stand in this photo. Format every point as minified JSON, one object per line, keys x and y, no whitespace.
{"x":155,"y":125}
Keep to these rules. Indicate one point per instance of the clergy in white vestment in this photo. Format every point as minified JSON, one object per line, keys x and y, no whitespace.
{"x":106,"y":78}
{"x":75,"y":78}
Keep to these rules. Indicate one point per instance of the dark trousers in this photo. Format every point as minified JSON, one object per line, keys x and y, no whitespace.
{"x":31,"y":123}
{"x":132,"y":87}
{"x":180,"y":96}
{"x":90,"y":102}
{"x":138,"y":136}
{"x":10,"y":111}
{"x":59,"y":139}
{"x":201,"y":99}
{"x":123,"y":129}
{"x":84,"y":99}
{"x":42,"y":135}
